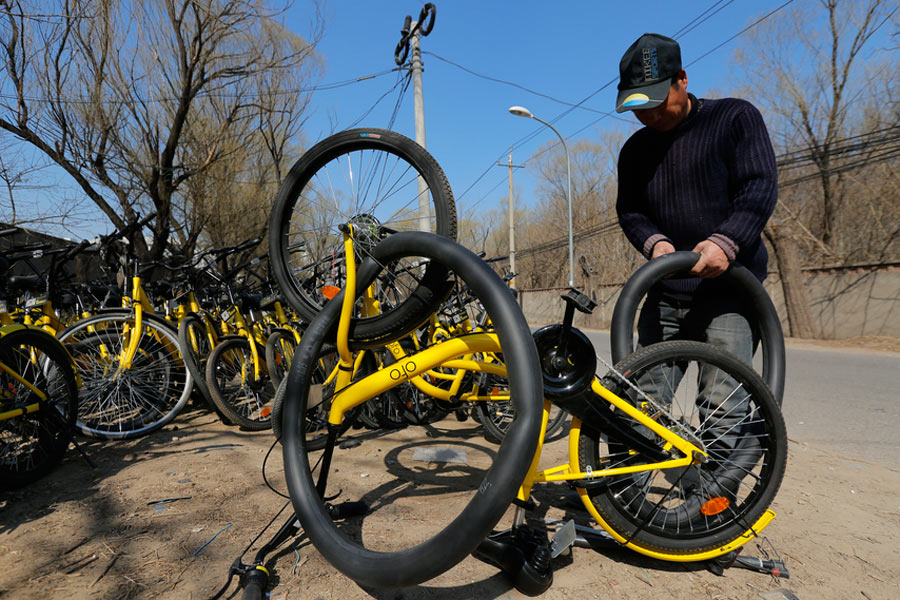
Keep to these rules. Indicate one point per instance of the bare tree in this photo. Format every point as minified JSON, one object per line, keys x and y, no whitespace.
{"x":806,"y":72}
{"x":24,"y":179}
{"x":600,"y":249}
{"x":810,"y":70}
{"x":134,"y":100}
{"x":480,"y":231}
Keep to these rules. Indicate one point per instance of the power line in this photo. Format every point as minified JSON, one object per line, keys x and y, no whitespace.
{"x":403,"y":78}
{"x":701,"y":18}
{"x":83,"y":100}
{"x":602,"y":228}
{"x":856,"y":143}
{"x":695,"y":22}
{"x":884,"y":153}
{"x":739,"y":33}
{"x":519,"y":86}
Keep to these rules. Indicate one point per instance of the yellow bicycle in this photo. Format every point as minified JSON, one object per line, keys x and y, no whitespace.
{"x":677,"y":454}
{"x":38,"y":399}
{"x":134,"y":377}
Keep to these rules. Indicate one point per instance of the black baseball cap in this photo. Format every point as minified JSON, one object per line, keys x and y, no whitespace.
{"x":646,"y":71}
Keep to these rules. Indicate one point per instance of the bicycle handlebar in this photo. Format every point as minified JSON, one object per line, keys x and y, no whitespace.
{"x":236,"y":248}
{"x":25,"y":250}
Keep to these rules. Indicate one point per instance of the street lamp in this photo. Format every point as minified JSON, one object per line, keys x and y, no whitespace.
{"x":521,"y":111}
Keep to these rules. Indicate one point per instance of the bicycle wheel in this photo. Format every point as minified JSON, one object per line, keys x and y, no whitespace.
{"x":720,"y":404}
{"x":194,"y":342}
{"x":241,"y":395}
{"x":496,"y":416}
{"x":463,"y":503}
{"x":419,"y":408}
{"x":316,"y":416}
{"x":118,"y":400}
{"x":381,"y":182}
{"x":33,"y":443}
{"x":280,"y":347}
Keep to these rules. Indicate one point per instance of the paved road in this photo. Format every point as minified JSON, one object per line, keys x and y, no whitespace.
{"x":844,"y":401}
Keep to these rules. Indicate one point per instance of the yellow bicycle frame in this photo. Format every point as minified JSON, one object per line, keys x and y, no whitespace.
{"x":451,"y":353}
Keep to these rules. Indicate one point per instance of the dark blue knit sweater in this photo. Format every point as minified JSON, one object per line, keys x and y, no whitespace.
{"x":712,"y":177}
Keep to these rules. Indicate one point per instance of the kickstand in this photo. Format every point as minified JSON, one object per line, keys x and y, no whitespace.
{"x":767,"y":565}
{"x":83,"y":454}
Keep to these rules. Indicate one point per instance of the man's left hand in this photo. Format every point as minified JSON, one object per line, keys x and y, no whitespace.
{"x":713,"y":261}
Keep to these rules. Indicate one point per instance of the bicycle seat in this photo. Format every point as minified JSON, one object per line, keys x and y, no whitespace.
{"x":579,"y":300}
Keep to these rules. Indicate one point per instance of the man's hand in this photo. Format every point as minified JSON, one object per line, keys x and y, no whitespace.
{"x":661,"y":248}
{"x":713,"y":261}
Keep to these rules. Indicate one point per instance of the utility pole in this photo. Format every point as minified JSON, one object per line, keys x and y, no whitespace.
{"x":512,"y":220}
{"x":419,"y":109}
{"x":410,"y":37}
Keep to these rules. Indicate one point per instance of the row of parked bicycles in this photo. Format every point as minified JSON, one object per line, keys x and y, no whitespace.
{"x":120,"y":356}
{"x":374,"y":319}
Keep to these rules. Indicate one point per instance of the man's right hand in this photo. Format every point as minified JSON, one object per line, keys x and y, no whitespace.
{"x":660,"y":248}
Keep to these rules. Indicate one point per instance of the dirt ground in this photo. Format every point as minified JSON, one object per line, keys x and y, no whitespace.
{"x":102,"y":533}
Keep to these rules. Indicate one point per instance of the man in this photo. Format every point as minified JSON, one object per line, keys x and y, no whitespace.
{"x":699,"y":176}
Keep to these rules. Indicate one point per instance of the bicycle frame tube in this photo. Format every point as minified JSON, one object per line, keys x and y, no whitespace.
{"x":752,"y":532}
{"x":465,"y":363}
{"x":9,"y":328}
{"x":691,"y":453}
{"x":343,"y":344}
{"x":18,"y":412}
{"x":139,"y":303}
{"x":412,"y":366}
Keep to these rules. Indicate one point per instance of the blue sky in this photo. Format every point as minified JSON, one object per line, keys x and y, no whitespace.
{"x":567,"y":50}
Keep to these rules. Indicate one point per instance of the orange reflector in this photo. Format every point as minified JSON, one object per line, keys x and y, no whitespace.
{"x":714,"y":506}
{"x":265,"y":412}
{"x":495,"y":391}
{"x":330,"y":291}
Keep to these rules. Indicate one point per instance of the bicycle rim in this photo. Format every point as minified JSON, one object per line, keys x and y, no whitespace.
{"x":33,"y":443}
{"x":244,"y":397}
{"x":730,"y":410}
{"x":117,"y":400}
{"x":376,"y":180}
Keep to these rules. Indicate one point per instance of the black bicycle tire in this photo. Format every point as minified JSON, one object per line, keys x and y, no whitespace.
{"x":486,"y":507}
{"x":494,"y":433}
{"x":218,"y":397}
{"x":61,"y":429}
{"x":313,"y":443}
{"x":607,"y":501}
{"x":191,"y":360}
{"x":66,"y":335}
{"x":621,"y":328}
{"x":371,"y":331}
{"x":272,"y":359}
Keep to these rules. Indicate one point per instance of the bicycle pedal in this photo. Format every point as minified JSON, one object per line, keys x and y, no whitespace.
{"x":347,"y":509}
{"x":563,"y":539}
